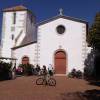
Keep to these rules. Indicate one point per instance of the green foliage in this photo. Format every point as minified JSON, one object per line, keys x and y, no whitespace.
{"x":75,"y":74}
{"x":27,"y":68}
{"x":5,"y":72}
{"x":93,"y":37}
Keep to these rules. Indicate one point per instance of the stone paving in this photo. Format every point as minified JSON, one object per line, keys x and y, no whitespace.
{"x":24,"y":88}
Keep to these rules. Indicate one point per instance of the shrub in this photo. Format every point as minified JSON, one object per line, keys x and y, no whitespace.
{"x":79,"y":74}
{"x":28,"y":69}
{"x":25,"y":69}
{"x":75,"y":74}
{"x":5,"y":71}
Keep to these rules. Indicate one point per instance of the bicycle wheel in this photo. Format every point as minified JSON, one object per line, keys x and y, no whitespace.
{"x":52,"y":82}
{"x":39,"y":81}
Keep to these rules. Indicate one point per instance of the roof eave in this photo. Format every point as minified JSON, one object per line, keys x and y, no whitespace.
{"x":61,"y":16}
{"x":23,"y":45}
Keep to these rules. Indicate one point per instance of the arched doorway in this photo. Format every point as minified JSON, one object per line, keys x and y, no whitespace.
{"x":60,"y":62}
{"x":25,"y":60}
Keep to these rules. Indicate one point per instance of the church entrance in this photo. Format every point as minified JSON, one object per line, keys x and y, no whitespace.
{"x":60,"y":62}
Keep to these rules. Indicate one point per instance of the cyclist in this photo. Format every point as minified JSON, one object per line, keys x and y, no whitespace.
{"x":46,"y":79}
{"x":50,"y":70}
{"x":44,"y":70}
{"x":45,"y":73}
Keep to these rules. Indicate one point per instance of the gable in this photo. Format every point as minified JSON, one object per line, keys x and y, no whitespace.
{"x":64,"y":17}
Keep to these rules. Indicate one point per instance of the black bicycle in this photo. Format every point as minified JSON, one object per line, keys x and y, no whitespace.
{"x":44,"y":81}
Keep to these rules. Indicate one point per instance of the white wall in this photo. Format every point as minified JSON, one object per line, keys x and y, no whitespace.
{"x":7,"y":42}
{"x":72,"y":41}
{"x":25,"y":51}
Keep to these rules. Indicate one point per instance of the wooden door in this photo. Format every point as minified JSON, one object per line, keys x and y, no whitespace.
{"x":25,"y":60}
{"x":60,"y":62}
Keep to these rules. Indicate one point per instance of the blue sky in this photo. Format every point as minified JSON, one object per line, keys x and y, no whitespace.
{"x":44,"y":9}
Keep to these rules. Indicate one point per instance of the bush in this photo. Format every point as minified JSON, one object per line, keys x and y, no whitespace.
{"x":25,"y":69}
{"x":75,"y":74}
{"x":5,"y":71}
{"x":28,"y":69}
{"x":79,"y":74}
{"x":19,"y":71}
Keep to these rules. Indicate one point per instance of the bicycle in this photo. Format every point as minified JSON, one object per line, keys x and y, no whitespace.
{"x":46,"y":81}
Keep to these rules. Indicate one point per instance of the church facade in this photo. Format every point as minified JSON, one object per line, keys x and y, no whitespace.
{"x":59,"y":41}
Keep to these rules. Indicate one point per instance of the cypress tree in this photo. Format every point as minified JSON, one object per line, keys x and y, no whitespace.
{"x":93,"y":37}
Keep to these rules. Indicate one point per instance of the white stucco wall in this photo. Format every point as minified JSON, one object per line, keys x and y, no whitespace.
{"x":7,"y":43}
{"x":73,"y":41}
{"x":25,"y":51}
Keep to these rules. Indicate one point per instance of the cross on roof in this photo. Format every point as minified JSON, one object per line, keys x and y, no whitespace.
{"x":60,"y":11}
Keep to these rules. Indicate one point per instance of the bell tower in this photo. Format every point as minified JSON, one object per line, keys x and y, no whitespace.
{"x":18,"y":23}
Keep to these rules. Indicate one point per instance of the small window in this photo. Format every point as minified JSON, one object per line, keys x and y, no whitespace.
{"x":14,"y":18}
{"x":12,"y":36}
{"x":60,"y":29}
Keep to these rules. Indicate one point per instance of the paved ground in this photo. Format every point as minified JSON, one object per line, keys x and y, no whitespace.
{"x":24,"y":88}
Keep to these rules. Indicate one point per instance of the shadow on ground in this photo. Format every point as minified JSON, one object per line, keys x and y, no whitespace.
{"x":94,"y":82}
{"x":87,"y":95}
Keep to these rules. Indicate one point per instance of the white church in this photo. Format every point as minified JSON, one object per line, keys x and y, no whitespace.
{"x":60,"y":40}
